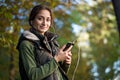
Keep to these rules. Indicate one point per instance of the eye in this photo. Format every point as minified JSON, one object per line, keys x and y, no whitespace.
{"x":48,"y":19}
{"x":40,"y":18}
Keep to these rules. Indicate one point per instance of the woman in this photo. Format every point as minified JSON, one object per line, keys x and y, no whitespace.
{"x":39,"y":55}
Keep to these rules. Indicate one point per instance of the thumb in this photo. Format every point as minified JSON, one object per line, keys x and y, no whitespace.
{"x":63,"y":47}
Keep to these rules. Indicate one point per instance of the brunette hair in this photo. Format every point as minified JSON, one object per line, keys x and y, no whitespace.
{"x":36,"y":10}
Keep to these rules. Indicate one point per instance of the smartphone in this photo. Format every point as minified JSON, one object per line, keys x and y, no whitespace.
{"x":69,"y":44}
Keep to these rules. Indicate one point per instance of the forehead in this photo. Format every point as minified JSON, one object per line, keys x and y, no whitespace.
{"x":44,"y":13}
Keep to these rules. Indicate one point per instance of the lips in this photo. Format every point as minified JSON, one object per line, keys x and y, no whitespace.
{"x":43,"y":27}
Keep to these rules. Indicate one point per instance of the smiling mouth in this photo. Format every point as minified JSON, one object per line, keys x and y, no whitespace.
{"x":43,"y":27}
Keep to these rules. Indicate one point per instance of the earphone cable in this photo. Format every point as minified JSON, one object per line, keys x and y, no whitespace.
{"x":78,"y":60}
{"x":54,"y":28}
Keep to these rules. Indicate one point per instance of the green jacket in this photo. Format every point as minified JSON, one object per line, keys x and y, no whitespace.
{"x":37,"y":62}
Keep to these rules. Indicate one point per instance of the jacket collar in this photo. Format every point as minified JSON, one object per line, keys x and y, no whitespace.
{"x":32,"y":35}
{"x":51,"y":36}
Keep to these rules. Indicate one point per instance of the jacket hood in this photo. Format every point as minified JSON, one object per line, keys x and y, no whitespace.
{"x":29,"y":35}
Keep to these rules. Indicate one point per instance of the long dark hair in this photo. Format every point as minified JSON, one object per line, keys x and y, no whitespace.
{"x":36,"y":10}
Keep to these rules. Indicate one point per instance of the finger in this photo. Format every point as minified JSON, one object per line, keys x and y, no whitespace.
{"x":68,"y":58}
{"x":63,"y":47}
{"x":69,"y":53}
{"x":68,"y":61}
{"x":69,"y":48}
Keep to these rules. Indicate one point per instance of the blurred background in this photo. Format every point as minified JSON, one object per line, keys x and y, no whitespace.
{"x":92,"y":22}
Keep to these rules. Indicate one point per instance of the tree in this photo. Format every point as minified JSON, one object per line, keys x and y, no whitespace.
{"x":117,"y":12}
{"x":95,"y":19}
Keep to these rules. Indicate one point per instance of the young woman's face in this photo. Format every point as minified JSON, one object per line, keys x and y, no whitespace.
{"x":42,"y":21}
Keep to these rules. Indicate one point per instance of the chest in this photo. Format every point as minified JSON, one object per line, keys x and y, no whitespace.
{"x":44,"y":52}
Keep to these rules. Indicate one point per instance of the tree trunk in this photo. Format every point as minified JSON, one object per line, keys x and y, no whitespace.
{"x":116,"y":5}
{"x":12,"y":66}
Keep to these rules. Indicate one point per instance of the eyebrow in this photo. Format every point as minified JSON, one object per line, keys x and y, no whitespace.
{"x":43,"y":16}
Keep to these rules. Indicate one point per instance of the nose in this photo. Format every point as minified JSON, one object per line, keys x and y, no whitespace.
{"x":44,"y":22}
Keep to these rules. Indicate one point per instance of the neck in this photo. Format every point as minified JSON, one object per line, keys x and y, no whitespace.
{"x":42,"y":34}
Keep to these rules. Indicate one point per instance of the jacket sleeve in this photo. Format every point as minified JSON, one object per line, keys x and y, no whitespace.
{"x":26,"y":50}
{"x":63,"y":65}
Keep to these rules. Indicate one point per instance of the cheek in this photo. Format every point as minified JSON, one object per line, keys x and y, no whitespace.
{"x":49,"y":24}
{"x":36,"y":23}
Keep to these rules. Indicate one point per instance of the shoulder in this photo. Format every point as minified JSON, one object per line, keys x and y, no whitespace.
{"x":26,"y":44}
